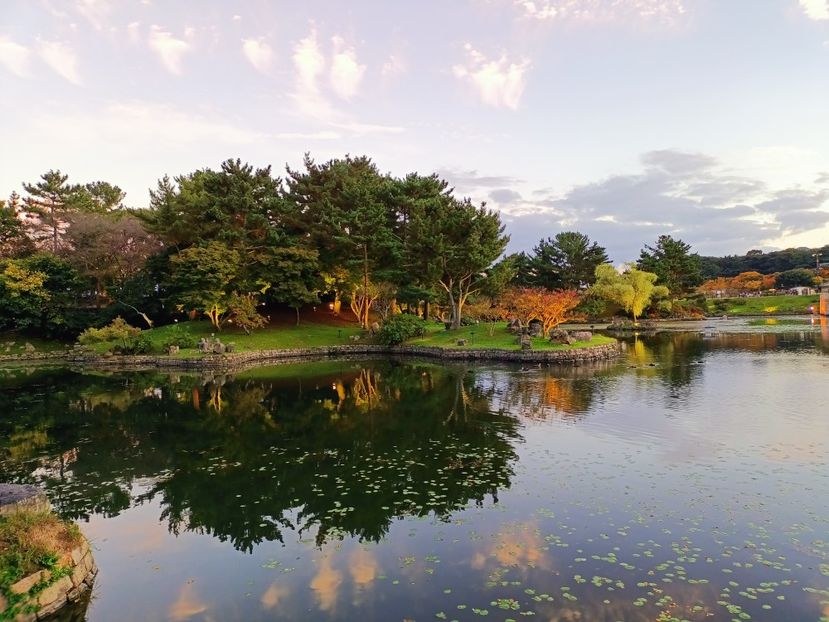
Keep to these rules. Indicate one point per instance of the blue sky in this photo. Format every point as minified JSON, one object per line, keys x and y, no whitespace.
{"x":625,"y":119}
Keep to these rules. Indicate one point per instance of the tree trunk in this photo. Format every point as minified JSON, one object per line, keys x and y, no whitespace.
{"x":297,"y":315}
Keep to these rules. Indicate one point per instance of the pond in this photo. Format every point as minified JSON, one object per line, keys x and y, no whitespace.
{"x":689,"y":480}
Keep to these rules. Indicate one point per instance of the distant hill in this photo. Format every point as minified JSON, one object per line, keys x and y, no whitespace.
{"x":765,"y":263}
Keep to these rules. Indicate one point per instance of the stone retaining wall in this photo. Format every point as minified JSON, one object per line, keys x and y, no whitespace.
{"x":240,"y":360}
{"x":46,"y":595}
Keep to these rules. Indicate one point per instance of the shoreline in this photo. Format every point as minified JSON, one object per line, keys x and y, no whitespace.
{"x":236,"y":360}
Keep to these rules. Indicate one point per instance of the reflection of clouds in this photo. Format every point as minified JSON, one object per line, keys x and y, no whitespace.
{"x":326,"y":584}
{"x":519,"y":545}
{"x":188,"y":603}
{"x":363,"y":567}
{"x":273,"y":595}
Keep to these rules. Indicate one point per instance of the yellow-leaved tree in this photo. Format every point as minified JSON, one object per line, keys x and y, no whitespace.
{"x":631,"y":289}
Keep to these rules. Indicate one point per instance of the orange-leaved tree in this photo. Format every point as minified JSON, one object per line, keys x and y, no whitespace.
{"x":550,"y":307}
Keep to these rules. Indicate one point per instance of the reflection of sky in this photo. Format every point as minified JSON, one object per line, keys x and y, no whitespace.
{"x":624,"y":472}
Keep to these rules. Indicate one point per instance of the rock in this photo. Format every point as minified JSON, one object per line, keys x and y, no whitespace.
{"x":354,"y":337}
{"x":514,"y":326}
{"x":374,"y":328}
{"x":461,"y":342}
{"x":535,"y":329}
{"x":231,"y":347}
{"x":582,"y":335}
{"x":172,"y":349}
{"x":526,"y":342}
{"x":53,"y":597}
{"x":559,"y":335}
{"x":29,"y":348}
{"x":27,"y":583}
{"x":17,"y":497}
{"x":219,"y":347}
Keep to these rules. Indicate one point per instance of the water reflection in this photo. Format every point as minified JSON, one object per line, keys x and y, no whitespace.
{"x":243,"y":460}
{"x":686,"y":481}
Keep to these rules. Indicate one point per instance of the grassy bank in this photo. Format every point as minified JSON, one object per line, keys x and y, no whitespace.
{"x":316,"y":334}
{"x":479,"y":337}
{"x":762,"y":305}
{"x":32,"y":541}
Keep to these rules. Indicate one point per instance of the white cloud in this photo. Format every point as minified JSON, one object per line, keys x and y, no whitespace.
{"x":815,"y":9}
{"x":61,"y":58}
{"x":170,"y":50}
{"x":95,"y":11}
{"x":134,"y":31}
{"x":394,"y":66}
{"x":666,"y":11}
{"x":259,"y":53}
{"x":14,"y":57}
{"x":346,"y":72}
{"x":308,"y":62}
{"x":499,"y":83}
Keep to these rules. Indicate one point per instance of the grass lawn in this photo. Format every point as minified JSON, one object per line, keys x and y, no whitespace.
{"x":306,"y":335}
{"x":479,"y":337}
{"x":762,"y":305}
{"x":15,"y":343}
{"x":316,"y":334}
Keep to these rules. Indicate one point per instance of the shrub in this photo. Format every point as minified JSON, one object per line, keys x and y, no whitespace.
{"x":179,"y":336}
{"x":118,"y":330}
{"x":399,"y":328}
{"x":135,"y":344}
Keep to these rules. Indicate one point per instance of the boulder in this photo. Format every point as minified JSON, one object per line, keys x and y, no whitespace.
{"x":374,"y":328}
{"x":561,"y":336}
{"x":582,"y":335}
{"x":461,"y":342}
{"x":172,"y":349}
{"x":535,"y":329}
{"x":526,"y":342}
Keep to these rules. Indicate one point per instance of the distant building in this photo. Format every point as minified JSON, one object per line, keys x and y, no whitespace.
{"x":803,"y":291}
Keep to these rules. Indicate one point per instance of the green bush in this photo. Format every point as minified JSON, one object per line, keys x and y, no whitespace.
{"x":179,"y":336}
{"x":117,"y":330}
{"x":399,"y":328}
{"x":136,"y":344}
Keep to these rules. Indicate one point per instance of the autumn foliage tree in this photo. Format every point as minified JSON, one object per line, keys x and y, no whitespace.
{"x":550,"y":307}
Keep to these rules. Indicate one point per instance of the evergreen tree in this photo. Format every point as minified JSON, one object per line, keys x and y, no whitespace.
{"x":673,"y":263}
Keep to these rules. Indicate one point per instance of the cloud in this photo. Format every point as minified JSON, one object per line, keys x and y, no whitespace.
{"x":142,"y":126}
{"x":134,"y":32}
{"x":14,"y":57}
{"x":169,"y":49}
{"x":394,"y":66}
{"x":346,"y":73}
{"x":499,"y":83}
{"x":817,"y":10}
{"x":665,"y":11}
{"x":465,"y":181}
{"x":96,"y":12}
{"x":259,"y":53}
{"x":505,"y":196}
{"x":688,"y":195}
{"x":61,"y":58}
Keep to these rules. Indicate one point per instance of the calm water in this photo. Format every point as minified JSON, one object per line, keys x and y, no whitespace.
{"x":687,"y":481}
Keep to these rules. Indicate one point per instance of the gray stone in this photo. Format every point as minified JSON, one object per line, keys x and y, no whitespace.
{"x":172,"y":349}
{"x":27,"y":583}
{"x":230,"y":348}
{"x":17,"y":497}
{"x":526,"y":342}
{"x":461,"y":342}
{"x":582,"y":335}
{"x":535,"y":329}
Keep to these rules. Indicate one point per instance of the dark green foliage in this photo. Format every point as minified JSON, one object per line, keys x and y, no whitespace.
{"x":180,"y":337}
{"x":135,"y":344}
{"x":400,"y":328}
{"x":566,"y":261}
{"x":673,"y":263}
{"x":764,"y":263}
{"x":799,"y":277}
{"x":38,"y":293}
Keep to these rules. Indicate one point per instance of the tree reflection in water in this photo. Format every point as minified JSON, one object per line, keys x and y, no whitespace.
{"x":342,"y":452}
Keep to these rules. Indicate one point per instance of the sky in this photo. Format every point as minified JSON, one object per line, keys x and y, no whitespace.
{"x":624,"y":119}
